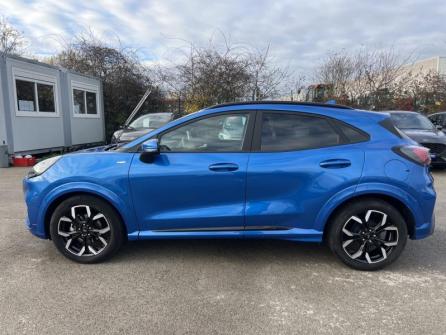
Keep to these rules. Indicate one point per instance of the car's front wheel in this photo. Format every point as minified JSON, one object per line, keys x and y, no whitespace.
{"x":86,"y":229}
{"x":368,"y":234}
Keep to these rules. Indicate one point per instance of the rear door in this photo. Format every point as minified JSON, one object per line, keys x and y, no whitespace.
{"x":299,"y":161}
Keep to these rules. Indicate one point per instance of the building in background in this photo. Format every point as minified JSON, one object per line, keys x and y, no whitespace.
{"x":44,"y":108}
{"x":435,"y":65}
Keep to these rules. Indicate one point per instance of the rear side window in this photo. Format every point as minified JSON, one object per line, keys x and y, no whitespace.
{"x":390,"y":126}
{"x":288,"y":132}
{"x":352,"y":134}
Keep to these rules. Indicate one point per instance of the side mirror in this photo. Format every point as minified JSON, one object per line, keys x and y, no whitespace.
{"x":150,"y":149}
{"x":439,"y":126}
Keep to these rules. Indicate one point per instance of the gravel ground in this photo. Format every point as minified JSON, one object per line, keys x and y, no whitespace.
{"x":214,"y":287}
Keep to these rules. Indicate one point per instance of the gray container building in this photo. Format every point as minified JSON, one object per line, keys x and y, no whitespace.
{"x":45,"y":108}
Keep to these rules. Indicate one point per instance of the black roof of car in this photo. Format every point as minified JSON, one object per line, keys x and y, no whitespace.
{"x":278,"y":102}
{"x":400,"y":112}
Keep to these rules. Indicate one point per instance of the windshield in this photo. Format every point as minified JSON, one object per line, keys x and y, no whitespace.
{"x":411,"y":121}
{"x":152,"y":121}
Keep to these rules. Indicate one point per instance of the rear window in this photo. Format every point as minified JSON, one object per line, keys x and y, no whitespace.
{"x":389,"y":125}
{"x":353,"y":135}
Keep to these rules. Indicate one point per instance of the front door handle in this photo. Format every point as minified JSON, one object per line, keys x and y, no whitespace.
{"x":223,"y":167}
{"x":335,"y":163}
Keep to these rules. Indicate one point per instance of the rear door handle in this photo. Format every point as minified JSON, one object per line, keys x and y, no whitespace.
{"x":223,"y":167}
{"x":335,"y":163}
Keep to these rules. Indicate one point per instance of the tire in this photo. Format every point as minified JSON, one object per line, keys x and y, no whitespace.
{"x":86,"y":229}
{"x":368,"y":234}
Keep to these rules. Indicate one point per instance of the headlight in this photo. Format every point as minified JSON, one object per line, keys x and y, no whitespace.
{"x":42,"y":166}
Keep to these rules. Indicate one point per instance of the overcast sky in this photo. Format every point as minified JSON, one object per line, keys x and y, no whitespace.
{"x":300,"y":32}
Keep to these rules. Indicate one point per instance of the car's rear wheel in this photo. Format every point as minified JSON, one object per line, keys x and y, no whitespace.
{"x":86,"y":229}
{"x":368,"y":234}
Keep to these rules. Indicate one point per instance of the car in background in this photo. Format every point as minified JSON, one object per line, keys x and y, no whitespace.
{"x":275,"y":170}
{"x":141,"y":126}
{"x":438,"y":119}
{"x":419,"y":128}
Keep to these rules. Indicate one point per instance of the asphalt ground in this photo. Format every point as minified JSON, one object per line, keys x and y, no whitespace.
{"x":216,"y":286}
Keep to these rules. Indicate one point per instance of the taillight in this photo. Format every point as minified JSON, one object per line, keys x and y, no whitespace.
{"x":415,"y":153}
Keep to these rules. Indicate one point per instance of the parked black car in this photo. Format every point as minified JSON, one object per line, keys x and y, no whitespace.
{"x":141,"y":126}
{"x":419,"y":128}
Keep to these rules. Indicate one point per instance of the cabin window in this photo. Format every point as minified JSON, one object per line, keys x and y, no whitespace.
{"x":34,"y":96}
{"x":85,"y":103}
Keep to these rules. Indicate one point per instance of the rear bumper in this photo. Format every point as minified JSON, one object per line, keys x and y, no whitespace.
{"x":425,"y":224}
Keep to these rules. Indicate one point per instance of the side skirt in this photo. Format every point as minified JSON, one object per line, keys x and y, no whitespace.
{"x":294,"y":234}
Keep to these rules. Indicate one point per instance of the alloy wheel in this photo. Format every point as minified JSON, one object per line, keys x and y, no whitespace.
{"x":369,"y":237}
{"x":85,"y":231}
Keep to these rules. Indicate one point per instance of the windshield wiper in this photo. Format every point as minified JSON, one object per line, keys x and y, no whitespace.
{"x":111,"y":147}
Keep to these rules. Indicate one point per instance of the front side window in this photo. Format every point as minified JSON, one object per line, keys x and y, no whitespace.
{"x":35,"y":96}
{"x":287,"y":132}
{"x":84,"y":102}
{"x":222,"y":133}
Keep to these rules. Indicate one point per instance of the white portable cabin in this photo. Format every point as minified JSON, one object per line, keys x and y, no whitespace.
{"x":45,"y":108}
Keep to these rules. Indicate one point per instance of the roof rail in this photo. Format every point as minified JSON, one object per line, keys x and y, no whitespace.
{"x":277,"y":102}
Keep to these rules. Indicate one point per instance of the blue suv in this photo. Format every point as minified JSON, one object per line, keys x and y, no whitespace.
{"x":278,"y":170}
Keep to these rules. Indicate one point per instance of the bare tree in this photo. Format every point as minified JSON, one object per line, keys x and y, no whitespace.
{"x":124,"y":78}
{"x":215,"y":74}
{"x":366,"y":78}
{"x":337,"y":71}
{"x":424,"y":91}
{"x":266,"y":79}
{"x":11,"y":39}
{"x":210,"y":76}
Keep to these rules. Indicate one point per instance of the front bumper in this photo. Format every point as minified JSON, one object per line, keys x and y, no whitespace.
{"x":437,"y":153}
{"x":33,"y":189}
{"x":33,"y":229}
{"x":425,"y":230}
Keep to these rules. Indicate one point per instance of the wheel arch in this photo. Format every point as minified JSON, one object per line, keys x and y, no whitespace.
{"x":403,"y":209}
{"x":56,"y":201}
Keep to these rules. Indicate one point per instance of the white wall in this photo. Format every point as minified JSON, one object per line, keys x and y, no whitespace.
{"x":3,"y":139}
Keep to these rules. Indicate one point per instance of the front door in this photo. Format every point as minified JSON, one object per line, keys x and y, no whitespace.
{"x":198,"y":181}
